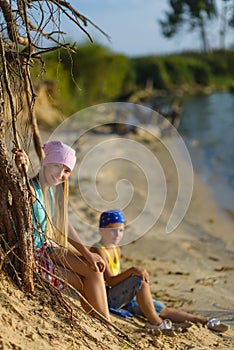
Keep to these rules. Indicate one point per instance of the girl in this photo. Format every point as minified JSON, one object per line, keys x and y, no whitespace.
{"x":52,"y":232}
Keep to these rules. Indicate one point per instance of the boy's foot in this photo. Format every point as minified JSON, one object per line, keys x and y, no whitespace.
{"x":214,"y":324}
{"x":166,"y":324}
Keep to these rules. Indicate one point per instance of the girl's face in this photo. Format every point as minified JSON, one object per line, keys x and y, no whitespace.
{"x":112,"y":234}
{"x":56,"y":173}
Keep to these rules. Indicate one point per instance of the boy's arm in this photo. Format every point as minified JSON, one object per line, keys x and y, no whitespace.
{"x":112,"y":280}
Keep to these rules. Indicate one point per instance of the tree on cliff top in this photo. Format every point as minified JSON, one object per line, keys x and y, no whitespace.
{"x":194,"y":14}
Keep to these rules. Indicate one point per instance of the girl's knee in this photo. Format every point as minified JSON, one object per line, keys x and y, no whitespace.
{"x":95,"y":275}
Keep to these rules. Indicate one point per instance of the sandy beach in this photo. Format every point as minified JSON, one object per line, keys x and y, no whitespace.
{"x":191,"y":268}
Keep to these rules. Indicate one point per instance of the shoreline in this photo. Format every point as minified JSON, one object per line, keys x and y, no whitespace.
{"x":221,"y":191}
{"x":206,"y":126}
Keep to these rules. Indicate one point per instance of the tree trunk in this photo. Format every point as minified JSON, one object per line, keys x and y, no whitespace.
{"x":204,"y":39}
{"x":15,"y":221}
{"x":223,"y":26}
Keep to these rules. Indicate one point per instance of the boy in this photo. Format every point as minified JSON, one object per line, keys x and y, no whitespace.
{"x":130,"y":289}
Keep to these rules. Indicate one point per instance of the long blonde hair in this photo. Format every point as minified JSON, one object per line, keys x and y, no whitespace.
{"x":57,"y":226}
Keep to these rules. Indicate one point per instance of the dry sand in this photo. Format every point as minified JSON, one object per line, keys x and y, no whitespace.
{"x":192,"y":268}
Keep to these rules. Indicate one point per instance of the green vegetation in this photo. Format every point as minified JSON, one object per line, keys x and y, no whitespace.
{"x":96,"y":75}
{"x":91,"y":76}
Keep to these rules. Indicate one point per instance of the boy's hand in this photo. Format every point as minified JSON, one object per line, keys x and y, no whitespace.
{"x":142,"y":273}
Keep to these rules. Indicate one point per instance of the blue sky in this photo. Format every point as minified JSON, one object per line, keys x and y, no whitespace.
{"x":133,"y":27}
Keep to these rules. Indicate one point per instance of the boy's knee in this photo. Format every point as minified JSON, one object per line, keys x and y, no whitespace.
{"x":136,"y":281}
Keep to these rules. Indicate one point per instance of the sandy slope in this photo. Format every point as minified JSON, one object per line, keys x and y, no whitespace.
{"x":191,"y":268}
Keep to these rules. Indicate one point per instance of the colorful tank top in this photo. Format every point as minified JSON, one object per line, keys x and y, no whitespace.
{"x":39,"y":216}
{"x":113,"y":264}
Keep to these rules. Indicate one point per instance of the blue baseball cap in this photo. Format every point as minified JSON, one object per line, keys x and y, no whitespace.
{"x":111,"y":217}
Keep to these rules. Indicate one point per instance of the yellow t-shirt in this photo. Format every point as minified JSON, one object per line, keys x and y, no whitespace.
{"x":113,"y":264}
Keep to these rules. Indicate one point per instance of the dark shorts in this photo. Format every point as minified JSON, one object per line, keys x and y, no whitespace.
{"x":123,"y":296}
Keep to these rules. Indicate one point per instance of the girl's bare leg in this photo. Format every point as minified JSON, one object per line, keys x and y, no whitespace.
{"x":145,"y":302}
{"x":89,"y":283}
{"x":178,"y":316}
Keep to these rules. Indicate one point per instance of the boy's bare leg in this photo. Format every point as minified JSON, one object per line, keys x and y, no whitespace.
{"x":145,"y":302}
{"x":178,"y":316}
{"x":144,"y":299}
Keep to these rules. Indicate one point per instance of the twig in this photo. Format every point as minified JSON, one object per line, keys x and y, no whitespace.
{"x":54,"y":48}
{"x":70,"y":17}
{"x":92,"y":309}
{"x":84,"y":19}
{"x":6,"y":255}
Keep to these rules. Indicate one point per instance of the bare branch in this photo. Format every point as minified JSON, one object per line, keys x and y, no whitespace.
{"x":11,"y":24}
{"x":77,"y":15}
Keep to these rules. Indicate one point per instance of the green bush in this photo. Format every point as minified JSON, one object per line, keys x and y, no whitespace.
{"x":230,"y":62}
{"x":218,"y":65}
{"x":98,"y":75}
{"x":178,"y":70}
{"x":151,"y":70}
{"x":90,"y":76}
{"x":201,"y":73}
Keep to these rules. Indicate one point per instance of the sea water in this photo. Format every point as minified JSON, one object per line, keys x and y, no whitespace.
{"x":207,"y":126}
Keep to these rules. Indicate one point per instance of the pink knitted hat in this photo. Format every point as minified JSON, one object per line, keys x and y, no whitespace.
{"x":58,"y":152}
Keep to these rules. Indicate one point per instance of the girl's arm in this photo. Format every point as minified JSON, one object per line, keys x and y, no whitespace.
{"x":96,"y":262}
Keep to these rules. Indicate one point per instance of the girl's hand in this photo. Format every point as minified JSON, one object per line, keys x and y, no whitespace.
{"x":21,"y":159}
{"x":96,"y":261}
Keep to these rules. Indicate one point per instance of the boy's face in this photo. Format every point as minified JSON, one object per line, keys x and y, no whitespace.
{"x":112,"y":234}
